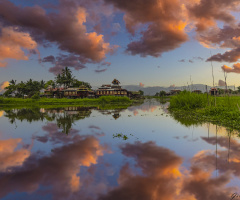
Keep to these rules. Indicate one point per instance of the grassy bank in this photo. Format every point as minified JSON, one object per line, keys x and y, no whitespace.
{"x":202,"y":108}
{"x":105,"y":100}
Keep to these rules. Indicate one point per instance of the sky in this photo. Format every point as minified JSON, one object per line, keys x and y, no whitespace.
{"x":139,"y":42}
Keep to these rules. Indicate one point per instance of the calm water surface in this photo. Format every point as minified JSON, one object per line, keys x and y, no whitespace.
{"x":138,"y":153}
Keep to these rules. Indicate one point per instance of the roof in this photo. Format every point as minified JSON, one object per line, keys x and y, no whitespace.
{"x":213,"y":88}
{"x":115,"y":82}
{"x":54,"y":89}
{"x":71,"y":89}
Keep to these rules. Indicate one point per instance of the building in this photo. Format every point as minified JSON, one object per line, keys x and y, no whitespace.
{"x":213,"y":91}
{"x":54,"y":92}
{"x":111,"y":90}
{"x":80,"y":92}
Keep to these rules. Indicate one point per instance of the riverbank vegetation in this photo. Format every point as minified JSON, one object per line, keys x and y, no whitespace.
{"x":222,"y":110}
{"x":64,"y":101}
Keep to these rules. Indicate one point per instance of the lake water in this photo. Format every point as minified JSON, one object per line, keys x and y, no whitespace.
{"x":138,"y":153}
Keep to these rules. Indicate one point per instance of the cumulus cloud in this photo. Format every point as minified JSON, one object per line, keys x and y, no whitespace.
{"x":229,"y":56}
{"x":100,"y":70}
{"x":191,"y":61}
{"x":226,"y":37}
{"x":205,"y":13}
{"x":182,"y":60}
{"x":106,"y":63}
{"x":62,"y":61}
{"x":3,"y":85}
{"x":50,"y":59}
{"x":221,"y":83}
{"x":234,"y":69}
{"x":65,"y":28}
{"x":157,"y":27}
{"x":165,"y":22}
{"x":198,"y":58}
{"x":12,"y":44}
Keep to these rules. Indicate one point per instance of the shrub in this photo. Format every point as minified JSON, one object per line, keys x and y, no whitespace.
{"x":36,"y":96}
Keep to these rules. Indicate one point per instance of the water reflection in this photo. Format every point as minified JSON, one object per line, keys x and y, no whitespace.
{"x":74,"y":155}
{"x":72,"y":171}
{"x":59,"y":171}
{"x":64,"y":117}
{"x":163,"y":178}
{"x":10,"y":156}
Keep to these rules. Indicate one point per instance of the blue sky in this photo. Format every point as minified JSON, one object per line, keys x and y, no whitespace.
{"x":156,"y":42}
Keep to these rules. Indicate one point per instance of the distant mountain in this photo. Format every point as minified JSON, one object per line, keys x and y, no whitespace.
{"x":153,"y":90}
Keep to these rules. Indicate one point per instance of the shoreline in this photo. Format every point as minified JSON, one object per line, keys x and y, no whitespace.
{"x":192,"y":109}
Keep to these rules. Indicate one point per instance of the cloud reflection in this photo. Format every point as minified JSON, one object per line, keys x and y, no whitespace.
{"x":74,"y":171}
{"x":142,"y":108}
{"x":9,"y":156}
{"x":163,"y":177}
{"x":60,"y":170}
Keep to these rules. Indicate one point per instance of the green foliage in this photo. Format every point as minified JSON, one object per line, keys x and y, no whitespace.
{"x":105,"y":100}
{"x":188,"y":100}
{"x":141,"y":92}
{"x":225,"y":113}
{"x":238,"y":89}
{"x":49,"y":83}
{"x":120,"y":135}
{"x":24,"y":88}
{"x":162,"y":93}
{"x":65,"y":78}
{"x":36,"y":96}
{"x":76,"y":83}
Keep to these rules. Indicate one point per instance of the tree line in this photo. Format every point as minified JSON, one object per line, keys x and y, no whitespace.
{"x":32,"y":88}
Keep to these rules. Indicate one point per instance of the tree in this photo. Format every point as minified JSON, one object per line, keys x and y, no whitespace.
{"x":141,"y":92}
{"x":50,"y":83}
{"x":65,"y":78}
{"x":162,"y":93}
{"x":11,"y":88}
{"x":238,"y":89}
